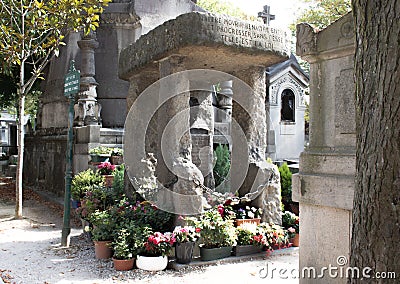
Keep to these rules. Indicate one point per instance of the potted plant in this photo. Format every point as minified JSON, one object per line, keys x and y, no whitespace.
{"x":217,"y":235}
{"x":291,"y":222}
{"x":248,"y":214}
{"x":250,"y":239}
{"x":154,"y":256}
{"x":81,"y":183}
{"x":106,"y":169}
{"x":117,"y":156}
{"x":102,"y":233}
{"x":185,"y":240}
{"x":100,"y":154}
{"x":123,"y":255}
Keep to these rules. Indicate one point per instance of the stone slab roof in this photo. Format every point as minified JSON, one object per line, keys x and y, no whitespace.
{"x":207,"y":41}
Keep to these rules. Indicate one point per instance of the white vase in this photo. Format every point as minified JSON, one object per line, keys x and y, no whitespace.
{"x":152,"y":263}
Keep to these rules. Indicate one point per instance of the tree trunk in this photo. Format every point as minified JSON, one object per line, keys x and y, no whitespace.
{"x":376,"y":214}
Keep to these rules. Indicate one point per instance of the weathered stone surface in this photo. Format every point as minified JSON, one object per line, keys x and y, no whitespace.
{"x":230,"y":44}
{"x":270,"y":192}
{"x":324,"y":186}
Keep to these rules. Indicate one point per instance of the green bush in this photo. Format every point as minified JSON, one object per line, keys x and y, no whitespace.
{"x":83,"y":182}
{"x":286,"y":183}
{"x":222,"y":164}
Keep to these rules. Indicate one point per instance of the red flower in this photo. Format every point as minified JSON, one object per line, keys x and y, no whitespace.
{"x":228,"y":202}
{"x":221,"y":210}
{"x":198,"y":230}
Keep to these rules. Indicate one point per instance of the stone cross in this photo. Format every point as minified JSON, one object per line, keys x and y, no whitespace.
{"x":266,"y":16}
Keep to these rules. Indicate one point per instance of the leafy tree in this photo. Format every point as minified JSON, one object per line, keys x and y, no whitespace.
{"x":321,"y":13}
{"x":224,"y":7}
{"x":376,"y":210}
{"x":222,"y":164}
{"x":31,"y":34}
{"x":286,"y":183}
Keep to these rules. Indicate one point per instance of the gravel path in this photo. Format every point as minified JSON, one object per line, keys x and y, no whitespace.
{"x":30,"y":252}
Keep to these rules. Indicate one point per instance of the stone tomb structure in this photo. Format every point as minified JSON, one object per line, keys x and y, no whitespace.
{"x":101,"y":105}
{"x":172,"y":71}
{"x":286,"y":104}
{"x":324,"y":186}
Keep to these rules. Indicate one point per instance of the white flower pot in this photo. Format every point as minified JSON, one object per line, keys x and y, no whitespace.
{"x":152,"y":263}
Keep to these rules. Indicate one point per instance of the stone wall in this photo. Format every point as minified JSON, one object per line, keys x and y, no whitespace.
{"x":324,"y":186}
{"x":44,"y":158}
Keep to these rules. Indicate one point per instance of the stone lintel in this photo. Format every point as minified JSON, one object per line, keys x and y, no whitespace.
{"x":324,"y":190}
{"x":209,"y":42}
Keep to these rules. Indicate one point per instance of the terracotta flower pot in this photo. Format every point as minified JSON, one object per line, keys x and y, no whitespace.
{"x":117,"y":160}
{"x":108,"y":180}
{"x":123,"y":264}
{"x":296,"y":240}
{"x":238,"y":222}
{"x":103,"y":249}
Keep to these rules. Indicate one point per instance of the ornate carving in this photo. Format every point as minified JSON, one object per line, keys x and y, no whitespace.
{"x":290,"y":82}
{"x":306,"y":39}
{"x":120,"y":13}
{"x":347,"y":29}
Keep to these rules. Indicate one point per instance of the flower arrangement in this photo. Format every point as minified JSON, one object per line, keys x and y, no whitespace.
{"x":105,"y":168}
{"x":250,"y":234}
{"x":275,"y":235}
{"x":159,"y":244}
{"x":186,"y":234}
{"x":290,"y":220}
{"x":215,"y":230}
{"x":248,"y":213}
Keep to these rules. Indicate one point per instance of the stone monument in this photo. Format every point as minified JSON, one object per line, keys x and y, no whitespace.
{"x":186,"y":50}
{"x":324,"y":186}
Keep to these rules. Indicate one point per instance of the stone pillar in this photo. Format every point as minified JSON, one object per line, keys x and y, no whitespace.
{"x":324,"y":186}
{"x":202,"y":129}
{"x":251,"y":113}
{"x":225,"y":101}
{"x":175,"y":168}
{"x":87,"y":111}
{"x":261,"y":183}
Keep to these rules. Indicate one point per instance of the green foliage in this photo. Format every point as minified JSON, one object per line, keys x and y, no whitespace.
{"x":101,"y":150}
{"x":224,"y":7}
{"x":133,"y":237}
{"x":122,"y":249}
{"x":103,"y":225}
{"x":286,"y":183}
{"x":118,"y":182}
{"x":83,"y":182}
{"x":321,"y":13}
{"x":307,"y":113}
{"x":222,"y":164}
